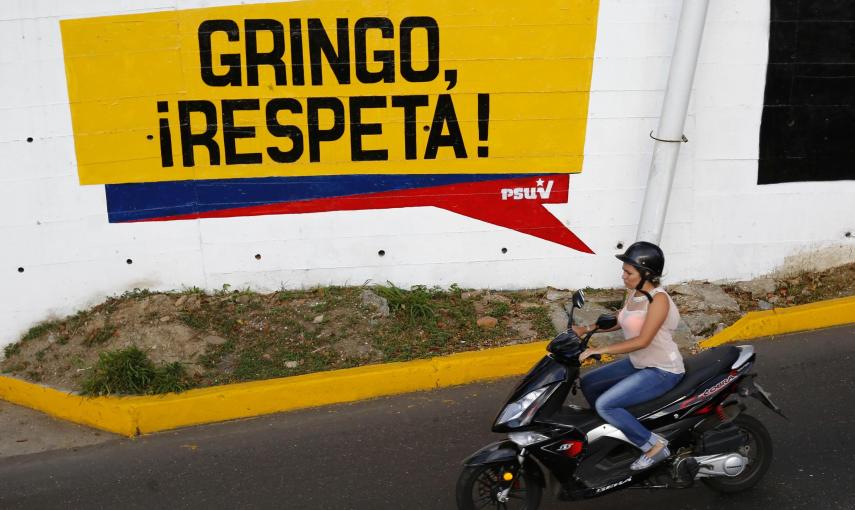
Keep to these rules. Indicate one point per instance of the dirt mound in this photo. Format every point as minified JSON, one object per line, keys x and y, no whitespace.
{"x":233,"y":336}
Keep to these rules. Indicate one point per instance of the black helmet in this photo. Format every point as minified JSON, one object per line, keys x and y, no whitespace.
{"x":646,"y":257}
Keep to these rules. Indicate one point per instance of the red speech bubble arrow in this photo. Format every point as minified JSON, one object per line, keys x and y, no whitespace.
{"x":515,"y":203}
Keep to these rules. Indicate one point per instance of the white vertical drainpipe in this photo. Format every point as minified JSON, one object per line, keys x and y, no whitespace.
{"x":669,"y":135}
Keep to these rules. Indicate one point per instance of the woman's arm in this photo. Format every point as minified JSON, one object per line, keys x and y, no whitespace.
{"x":657,"y":312}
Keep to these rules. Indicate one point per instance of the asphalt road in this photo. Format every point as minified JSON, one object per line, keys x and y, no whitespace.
{"x":405,"y":452}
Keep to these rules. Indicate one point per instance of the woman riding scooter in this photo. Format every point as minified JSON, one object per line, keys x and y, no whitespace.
{"x":654,"y":364}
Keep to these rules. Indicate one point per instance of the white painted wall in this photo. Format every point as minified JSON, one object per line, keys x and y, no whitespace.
{"x":720,"y":224}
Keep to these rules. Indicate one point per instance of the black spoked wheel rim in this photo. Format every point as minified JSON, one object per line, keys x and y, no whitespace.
{"x":487,"y":487}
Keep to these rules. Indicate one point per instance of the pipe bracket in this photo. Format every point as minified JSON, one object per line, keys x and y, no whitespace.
{"x":682,"y":140}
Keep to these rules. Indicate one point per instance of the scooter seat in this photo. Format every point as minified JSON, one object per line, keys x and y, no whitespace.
{"x":699,"y":368}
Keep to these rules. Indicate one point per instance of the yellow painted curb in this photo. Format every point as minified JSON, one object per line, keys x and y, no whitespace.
{"x":106,"y":413}
{"x":778,"y":321}
{"x":140,"y":415}
{"x":130,"y":416}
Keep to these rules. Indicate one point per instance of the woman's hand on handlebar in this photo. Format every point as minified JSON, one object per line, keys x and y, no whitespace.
{"x":589,"y":352}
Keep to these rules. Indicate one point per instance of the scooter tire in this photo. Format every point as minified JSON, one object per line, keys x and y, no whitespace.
{"x":477,"y":486}
{"x":759,"y":451}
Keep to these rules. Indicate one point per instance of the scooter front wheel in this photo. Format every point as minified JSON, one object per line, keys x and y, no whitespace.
{"x":481,"y":487}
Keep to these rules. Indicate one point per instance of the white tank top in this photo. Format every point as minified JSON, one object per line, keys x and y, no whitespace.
{"x":662,"y":352}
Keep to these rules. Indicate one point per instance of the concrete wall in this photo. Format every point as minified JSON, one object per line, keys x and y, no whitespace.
{"x":61,"y":254}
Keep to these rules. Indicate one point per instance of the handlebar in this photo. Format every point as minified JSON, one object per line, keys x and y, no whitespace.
{"x":585,"y":343}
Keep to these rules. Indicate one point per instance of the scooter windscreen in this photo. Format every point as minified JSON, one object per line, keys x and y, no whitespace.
{"x":530,"y":394}
{"x":520,"y":412}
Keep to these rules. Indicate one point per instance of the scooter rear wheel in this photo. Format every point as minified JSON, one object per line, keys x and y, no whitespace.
{"x":759,"y":453}
{"x":478,"y":488}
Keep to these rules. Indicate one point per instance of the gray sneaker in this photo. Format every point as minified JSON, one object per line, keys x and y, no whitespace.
{"x":645,"y":462}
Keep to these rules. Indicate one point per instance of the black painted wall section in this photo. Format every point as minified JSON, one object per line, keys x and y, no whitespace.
{"x":808,"y":126}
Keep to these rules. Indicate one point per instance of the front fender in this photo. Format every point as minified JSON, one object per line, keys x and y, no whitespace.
{"x":503,"y":452}
{"x":498,"y":452}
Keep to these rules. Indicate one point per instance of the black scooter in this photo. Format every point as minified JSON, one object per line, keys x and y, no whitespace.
{"x":710,"y":437}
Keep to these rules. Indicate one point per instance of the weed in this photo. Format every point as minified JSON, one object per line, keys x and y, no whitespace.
{"x":499,"y":310}
{"x":286,"y":295}
{"x":539,"y":317}
{"x":17,"y":367}
{"x":195,"y":320}
{"x":136,"y":294}
{"x":74,"y":322}
{"x":127,"y":371}
{"x":455,"y":290}
{"x":130,"y":371}
{"x":170,"y":378}
{"x":320,"y":307}
{"x":100,"y":335}
{"x":12,"y":349}
{"x":40,"y":329}
{"x":40,"y":355}
{"x":414,"y":302}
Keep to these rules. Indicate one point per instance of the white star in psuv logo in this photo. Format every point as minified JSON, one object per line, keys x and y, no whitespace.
{"x":532,"y":193}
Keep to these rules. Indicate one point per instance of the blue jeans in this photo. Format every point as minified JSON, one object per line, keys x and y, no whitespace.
{"x":614,"y":387}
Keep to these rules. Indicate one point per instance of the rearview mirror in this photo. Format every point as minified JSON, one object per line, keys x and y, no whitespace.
{"x":578,"y":299}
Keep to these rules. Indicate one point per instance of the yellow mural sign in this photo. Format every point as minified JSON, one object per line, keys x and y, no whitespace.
{"x":329,"y":87}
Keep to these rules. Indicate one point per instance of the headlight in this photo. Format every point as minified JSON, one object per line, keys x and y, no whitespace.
{"x":524,"y":439}
{"x":516,"y":409}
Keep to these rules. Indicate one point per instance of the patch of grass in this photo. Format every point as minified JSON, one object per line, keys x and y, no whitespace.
{"x":321,"y":307}
{"x":195,"y":320}
{"x":12,"y":349}
{"x":74,"y":322}
{"x":131,"y":372}
{"x":170,"y":378}
{"x":499,"y":310}
{"x":16,"y":367}
{"x":539,"y":317}
{"x":100,"y":335}
{"x":414,"y":303}
{"x":40,"y":329}
{"x":136,"y":294}
{"x":214,"y":354}
{"x":287,"y":295}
